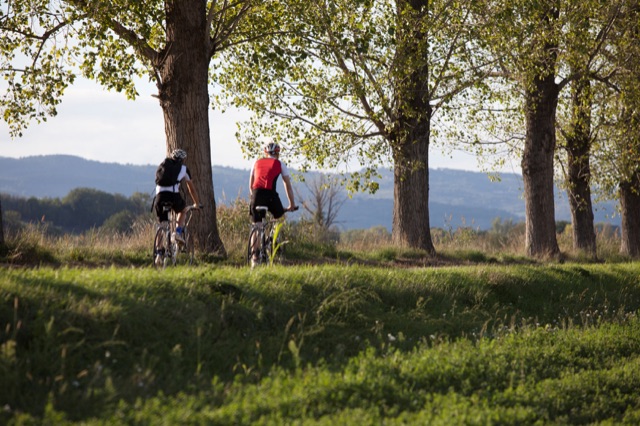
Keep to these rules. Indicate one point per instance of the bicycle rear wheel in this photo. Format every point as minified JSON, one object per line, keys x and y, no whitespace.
{"x":255,"y":233}
{"x":267,"y":249}
{"x":268,"y":252}
{"x":159,"y":252}
{"x":174,"y":250}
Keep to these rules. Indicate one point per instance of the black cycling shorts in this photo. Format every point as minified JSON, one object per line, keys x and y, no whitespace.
{"x":268,"y":198}
{"x":177,"y":204}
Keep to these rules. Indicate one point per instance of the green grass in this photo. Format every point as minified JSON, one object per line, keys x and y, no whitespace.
{"x":321,"y":344}
{"x":538,"y":375}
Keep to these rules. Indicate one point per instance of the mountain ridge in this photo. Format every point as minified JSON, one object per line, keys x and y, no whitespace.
{"x":456,"y":197}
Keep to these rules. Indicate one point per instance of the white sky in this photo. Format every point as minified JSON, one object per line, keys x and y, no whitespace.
{"x":104,"y":126}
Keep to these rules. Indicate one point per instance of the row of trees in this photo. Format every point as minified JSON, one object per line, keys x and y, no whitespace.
{"x":82,"y":209}
{"x":366,"y":82}
{"x":570,"y":72}
{"x":374,"y":79}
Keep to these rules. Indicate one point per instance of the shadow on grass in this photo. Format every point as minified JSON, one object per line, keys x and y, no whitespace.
{"x":84,"y":339}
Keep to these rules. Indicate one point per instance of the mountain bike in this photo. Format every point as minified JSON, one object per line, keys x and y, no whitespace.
{"x":167,"y":249}
{"x":268,"y":246}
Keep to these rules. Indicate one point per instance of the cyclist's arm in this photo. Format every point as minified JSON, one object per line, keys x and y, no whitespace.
{"x":251,"y":179}
{"x":289,"y":191}
{"x":192,"y":192}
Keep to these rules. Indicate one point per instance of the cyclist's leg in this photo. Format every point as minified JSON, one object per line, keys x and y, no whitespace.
{"x":277,"y":211}
{"x":172,"y":244}
{"x":163,"y":199}
{"x":275,"y":206}
{"x":258,"y":198}
{"x":162,"y":206}
{"x":179,"y":206}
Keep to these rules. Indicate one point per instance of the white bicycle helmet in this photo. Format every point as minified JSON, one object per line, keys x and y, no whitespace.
{"x":272,"y":148}
{"x":179,"y":154}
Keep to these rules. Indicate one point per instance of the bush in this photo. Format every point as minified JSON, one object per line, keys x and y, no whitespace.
{"x":119,"y":223}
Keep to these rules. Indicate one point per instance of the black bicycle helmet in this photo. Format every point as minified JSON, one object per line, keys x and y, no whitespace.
{"x":272,"y":148}
{"x":179,"y":154}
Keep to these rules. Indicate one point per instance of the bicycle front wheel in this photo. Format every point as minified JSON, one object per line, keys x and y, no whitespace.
{"x":187,"y":250}
{"x":275,"y":243}
{"x":277,"y":247}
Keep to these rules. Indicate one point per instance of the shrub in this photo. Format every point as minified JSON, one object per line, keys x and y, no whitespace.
{"x":121,"y":222}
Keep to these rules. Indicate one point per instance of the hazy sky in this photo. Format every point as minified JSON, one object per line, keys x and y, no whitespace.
{"x":104,"y":126}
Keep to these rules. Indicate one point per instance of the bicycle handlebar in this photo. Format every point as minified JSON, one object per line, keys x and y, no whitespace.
{"x":266,"y":209}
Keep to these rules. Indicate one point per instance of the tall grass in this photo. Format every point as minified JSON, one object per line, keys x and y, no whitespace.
{"x":234,"y":225}
{"x":307,"y":243}
{"x":33,"y":244}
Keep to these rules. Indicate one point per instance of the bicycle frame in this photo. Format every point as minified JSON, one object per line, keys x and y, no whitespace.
{"x":165,"y":243}
{"x":261,"y":238}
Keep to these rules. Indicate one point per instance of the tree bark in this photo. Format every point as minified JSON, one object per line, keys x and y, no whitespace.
{"x":579,"y":170}
{"x":184,"y":97}
{"x":537,"y":167}
{"x":411,"y":226}
{"x":409,"y":138}
{"x":629,"y":208}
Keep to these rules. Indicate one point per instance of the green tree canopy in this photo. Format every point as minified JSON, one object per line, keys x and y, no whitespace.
{"x":354,"y":85}
{"x":44,"y":45}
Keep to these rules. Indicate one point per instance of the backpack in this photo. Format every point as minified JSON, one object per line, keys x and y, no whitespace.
{"x":168,"y":171}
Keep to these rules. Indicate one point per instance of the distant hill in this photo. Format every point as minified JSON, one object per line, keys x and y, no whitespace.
{"x":456,"y":198}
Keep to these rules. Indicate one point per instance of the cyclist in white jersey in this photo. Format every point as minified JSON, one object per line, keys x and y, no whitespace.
{"x":171,"y":194}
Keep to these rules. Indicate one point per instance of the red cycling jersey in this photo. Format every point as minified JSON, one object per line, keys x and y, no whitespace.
{"x":266,"y":172}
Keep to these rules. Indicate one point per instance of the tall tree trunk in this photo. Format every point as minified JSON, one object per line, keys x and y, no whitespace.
{"x":184,"y":97}
{"x":410,"y":137}
{"x":579,"y":170}
{"x":629,"y":207}
{"x":537,"y":167}
{"x":630,"y":186}
{"x":411,"y":191}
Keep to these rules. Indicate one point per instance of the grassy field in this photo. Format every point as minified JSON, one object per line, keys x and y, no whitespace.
{"x":493,"y":342}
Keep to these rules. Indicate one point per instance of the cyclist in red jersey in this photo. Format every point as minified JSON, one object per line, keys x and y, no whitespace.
{"x":262,"y":184}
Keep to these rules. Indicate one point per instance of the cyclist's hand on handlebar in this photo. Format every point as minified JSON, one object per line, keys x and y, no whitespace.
{"x":293,"y":208}
{"x":197,"y":206}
